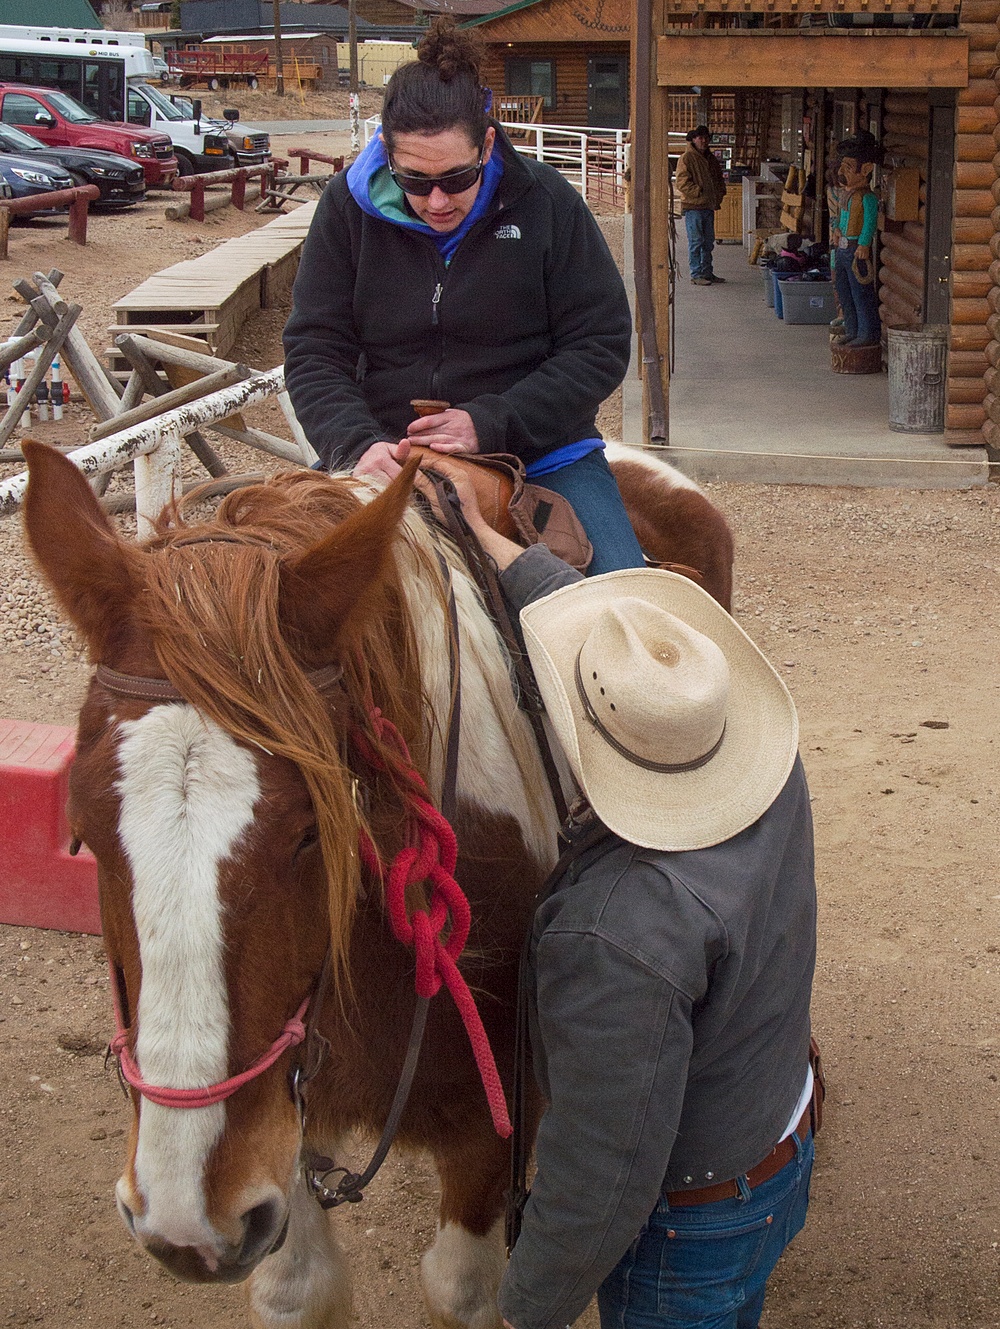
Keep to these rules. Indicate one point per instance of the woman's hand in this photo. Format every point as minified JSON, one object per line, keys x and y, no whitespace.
{"x":383,"y":461}
{"x":449,"y":431}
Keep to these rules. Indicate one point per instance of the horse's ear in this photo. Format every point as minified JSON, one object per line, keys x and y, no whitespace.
{"x":91,"y":569}
{"x":322,"y":588}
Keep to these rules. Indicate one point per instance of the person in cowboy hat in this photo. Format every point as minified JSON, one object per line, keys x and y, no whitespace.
{"x":702,"y":187}
{"x":671,"y":967}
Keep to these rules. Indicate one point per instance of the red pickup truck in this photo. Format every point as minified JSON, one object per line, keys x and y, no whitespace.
{"x":59,"y":121}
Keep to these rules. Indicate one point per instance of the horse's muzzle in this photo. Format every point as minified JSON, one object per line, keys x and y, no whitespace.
{"x":265,"y":1227}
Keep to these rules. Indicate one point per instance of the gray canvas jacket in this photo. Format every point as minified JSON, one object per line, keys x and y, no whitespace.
{"x":670,"y":1032}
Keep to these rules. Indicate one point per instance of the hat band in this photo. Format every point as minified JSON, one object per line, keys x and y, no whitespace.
{"x":662,"y":768}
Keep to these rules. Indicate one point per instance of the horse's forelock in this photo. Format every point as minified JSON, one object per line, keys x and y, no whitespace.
{"x":211,"y":604}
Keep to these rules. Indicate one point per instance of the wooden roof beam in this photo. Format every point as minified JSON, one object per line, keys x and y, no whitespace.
{"x":788,"y":57}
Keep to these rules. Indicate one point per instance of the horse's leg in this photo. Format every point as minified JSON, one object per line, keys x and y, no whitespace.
{"x":306,"y":1284}
{"x":461,"y":1272}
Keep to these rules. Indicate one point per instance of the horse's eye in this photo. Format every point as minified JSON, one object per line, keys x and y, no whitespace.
{"x":310,"y":837}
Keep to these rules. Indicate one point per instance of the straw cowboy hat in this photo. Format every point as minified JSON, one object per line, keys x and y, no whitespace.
{"x":678,"y":730}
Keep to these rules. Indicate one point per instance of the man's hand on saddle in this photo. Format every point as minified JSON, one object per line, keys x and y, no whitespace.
{"x":500,"y":549}
{"x":447,"y":431}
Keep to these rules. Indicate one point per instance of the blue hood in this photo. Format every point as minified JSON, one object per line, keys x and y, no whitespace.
{"x":375,"y":159}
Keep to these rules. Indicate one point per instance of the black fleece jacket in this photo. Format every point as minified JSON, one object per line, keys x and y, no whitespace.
{"x":527,"y":329}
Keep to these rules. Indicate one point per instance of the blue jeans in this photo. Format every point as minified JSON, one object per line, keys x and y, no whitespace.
{"x":859,"y":304}
{"x":700,"y":224}
{"x":706,"y":1266}
{"x":593,"y":491}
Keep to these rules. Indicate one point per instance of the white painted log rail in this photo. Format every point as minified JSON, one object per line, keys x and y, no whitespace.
{"x":154,"y":447}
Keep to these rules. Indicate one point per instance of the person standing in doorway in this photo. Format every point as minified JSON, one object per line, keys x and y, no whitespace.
{"x":702,"y":187}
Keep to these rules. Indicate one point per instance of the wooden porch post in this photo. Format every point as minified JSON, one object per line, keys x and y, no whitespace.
{"x":991,"y":401}
{"x":651,"y":206}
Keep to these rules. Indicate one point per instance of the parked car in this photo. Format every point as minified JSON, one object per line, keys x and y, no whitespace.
{"x":59,"y":121}
{"x":161,"y":69}
{"x":24,"y":176}
{"x":249,"y":147}
{"x":120,"y":181}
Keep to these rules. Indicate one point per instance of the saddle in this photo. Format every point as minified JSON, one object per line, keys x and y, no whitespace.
{"x":526,"y":513}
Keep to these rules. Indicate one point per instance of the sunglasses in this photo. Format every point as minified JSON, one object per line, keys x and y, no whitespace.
{"x":455,"y":182}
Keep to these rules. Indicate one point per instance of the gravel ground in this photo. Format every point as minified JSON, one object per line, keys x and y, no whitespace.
{"x":876,"y":606}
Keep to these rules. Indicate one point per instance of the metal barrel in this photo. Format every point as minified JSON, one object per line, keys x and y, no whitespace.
{"x":917,"y":358}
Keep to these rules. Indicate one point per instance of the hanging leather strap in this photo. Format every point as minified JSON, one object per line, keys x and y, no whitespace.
{"x":483,"y":571}
{"x":318,"y":1168}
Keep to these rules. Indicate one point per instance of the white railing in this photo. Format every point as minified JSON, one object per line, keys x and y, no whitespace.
{"x":595,"y":161}
{"x":154,"y":447}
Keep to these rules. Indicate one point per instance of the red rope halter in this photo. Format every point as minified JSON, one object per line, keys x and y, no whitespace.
{"x":292,"y":1034}
{"x":432,"y":859}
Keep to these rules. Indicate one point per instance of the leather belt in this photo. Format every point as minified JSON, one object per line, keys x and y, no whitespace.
{"x":779,"y":1156}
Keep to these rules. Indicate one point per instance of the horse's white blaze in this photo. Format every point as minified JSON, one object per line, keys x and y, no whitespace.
{"x":461,"y":1273}
{"x":187,"y":794}
{"x":653,"y":462}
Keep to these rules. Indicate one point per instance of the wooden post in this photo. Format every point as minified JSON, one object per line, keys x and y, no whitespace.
{"x":152,"y":384}
{"x":78,"y":220}
{"x":83,"y":364}
{"x":355,"y":101}
{"x":238,"y":194}
{"x":279,"y":64}
{"x":198,"y":200}
{"x":201,"y":387}
{"x":4,"y":231}
{"x":651,"y":197}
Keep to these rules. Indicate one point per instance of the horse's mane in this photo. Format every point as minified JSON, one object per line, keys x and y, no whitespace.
{"x":211,"y":602}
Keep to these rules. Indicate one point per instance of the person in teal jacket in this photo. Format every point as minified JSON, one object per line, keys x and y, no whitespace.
{"x":853,"y":265}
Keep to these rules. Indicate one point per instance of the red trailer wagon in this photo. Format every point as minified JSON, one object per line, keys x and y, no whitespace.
{"x":217,"y":66}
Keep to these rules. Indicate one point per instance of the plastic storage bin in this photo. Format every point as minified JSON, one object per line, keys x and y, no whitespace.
{"x":778,"y":281}
{"x":808,"y":302}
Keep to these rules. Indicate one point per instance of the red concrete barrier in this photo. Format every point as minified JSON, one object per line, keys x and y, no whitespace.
{"x":41,"y":885}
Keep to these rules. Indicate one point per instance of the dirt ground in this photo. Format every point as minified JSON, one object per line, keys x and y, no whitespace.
{"x":877,"y":608}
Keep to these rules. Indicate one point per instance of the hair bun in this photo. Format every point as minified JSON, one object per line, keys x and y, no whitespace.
{"x":450,"y":51}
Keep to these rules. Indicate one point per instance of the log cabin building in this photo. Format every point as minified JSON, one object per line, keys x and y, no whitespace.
{"x":922,"y":75}
{"x":573,"y":54}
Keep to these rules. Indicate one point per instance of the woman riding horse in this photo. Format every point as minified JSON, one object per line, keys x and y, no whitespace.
{"x":444,"y":265}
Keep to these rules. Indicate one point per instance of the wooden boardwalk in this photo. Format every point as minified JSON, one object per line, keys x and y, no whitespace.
{"x":212,"y":296}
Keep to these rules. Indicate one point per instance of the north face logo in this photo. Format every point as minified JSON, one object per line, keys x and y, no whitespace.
{"x":507,"y":233}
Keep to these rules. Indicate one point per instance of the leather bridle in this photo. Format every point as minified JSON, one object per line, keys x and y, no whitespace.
{"x":303,"y":1027}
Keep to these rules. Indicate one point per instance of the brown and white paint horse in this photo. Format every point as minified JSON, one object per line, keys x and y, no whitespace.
{"x":226,"y":828}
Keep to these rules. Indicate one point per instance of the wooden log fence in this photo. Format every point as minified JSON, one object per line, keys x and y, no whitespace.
{"x":307,"y":155}
{"x":206,"y":391}
{"x":77,"y":199}
{"x":154,"y":448}
{"x":236,"y":178}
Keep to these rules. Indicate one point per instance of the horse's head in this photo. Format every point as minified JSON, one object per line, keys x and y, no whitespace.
{"x":222,"y":819}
